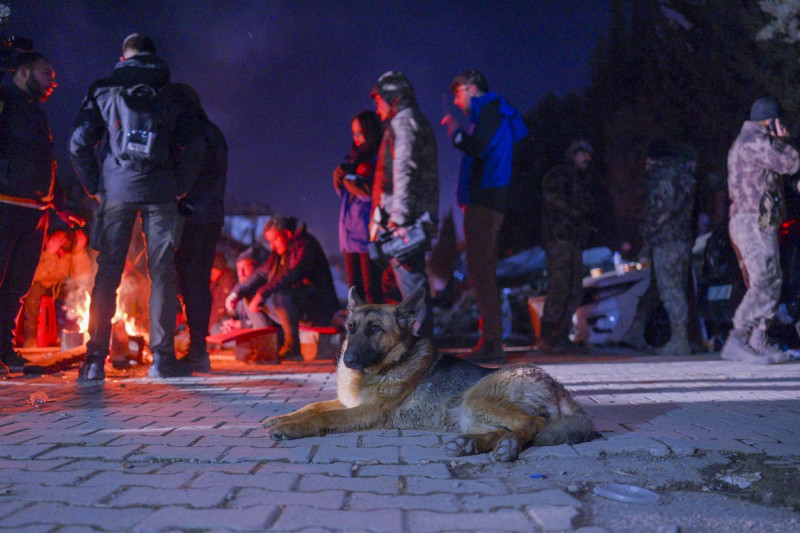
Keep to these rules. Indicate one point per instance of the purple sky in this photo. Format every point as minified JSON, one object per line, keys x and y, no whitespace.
{"x":283,"y":79}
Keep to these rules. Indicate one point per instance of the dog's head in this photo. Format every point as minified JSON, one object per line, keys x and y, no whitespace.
{"x":378,"y":335}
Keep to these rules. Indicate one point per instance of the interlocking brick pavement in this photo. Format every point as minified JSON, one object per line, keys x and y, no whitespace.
{"x":189,"y":454}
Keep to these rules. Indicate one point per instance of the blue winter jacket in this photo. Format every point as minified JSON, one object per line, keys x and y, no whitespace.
{"x":485,"y":175}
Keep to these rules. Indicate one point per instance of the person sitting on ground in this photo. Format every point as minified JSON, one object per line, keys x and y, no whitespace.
{"x":240,"y":317}
{"x":295,"y":282}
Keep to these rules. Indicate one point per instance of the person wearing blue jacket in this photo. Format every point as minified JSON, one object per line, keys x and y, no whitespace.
{"x":494,"y":127}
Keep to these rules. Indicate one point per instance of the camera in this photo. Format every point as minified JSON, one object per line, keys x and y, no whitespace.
{"x":387,"y":245}
{"x":10,"y":46}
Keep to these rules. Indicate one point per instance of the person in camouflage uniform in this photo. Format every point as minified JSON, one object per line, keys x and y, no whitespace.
{"x":757,"y":161}
{"x":667,"y":232}
{"x":566,"y":190}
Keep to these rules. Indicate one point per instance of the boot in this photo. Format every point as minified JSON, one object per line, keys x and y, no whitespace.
{"x":198,"y":362}
{"x":634,"y":337}
{"x":737,"y":347}
{"x":13,"y":360}
{"x":167,"y":366}
{"x":759,"y":342}
{"x":93,"y":369}
{"x":546,"y":341}
{"x":678,"y":343}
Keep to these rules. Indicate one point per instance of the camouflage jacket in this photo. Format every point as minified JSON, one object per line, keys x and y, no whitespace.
{"x":567,"y":196}
{"x":755,"y":165}
{"x":670,"y":199}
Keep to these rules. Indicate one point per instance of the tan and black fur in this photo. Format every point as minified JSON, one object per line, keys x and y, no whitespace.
{"x":388,"y":378}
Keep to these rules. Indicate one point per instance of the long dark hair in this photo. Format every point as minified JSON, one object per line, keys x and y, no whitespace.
{"x":373,"y":130}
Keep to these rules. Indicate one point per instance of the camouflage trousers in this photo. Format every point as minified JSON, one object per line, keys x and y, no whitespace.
{"x":761,"y":257}
{"x":564,"y":286}
{"x":671,"y":269}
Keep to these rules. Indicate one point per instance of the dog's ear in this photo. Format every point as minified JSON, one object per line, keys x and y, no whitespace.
{"x":353,"y":300}
{"x":408,"y":309}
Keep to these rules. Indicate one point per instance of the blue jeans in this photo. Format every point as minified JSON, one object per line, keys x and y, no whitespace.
{"x":411,"y":276}
{"x":159,"y":224}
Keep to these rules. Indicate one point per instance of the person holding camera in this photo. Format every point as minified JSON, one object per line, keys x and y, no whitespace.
{"x":757,"y":161}
{"x":154,"y":149}
{"x":202,"y":214}
{"x":27,"y":189}
{"x":495,"y":126}
{"x":352,"y":181}
{"x":293,"y":284}
{"x":406,"y":185}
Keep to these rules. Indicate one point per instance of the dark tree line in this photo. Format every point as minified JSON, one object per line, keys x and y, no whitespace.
{"x":687,"y":70}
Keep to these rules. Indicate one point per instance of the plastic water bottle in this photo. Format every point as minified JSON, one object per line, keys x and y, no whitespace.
{"x":38,"y":399}
{"x":619,"y":266}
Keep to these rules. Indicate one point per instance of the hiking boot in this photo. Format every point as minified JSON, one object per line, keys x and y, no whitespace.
{"x":759,"y":342}
{"x":488,"y":352}
{"x":13,"y":360}
{"x":93,"y":369}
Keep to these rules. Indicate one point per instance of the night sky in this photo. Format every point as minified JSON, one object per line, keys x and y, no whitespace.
{"x":283,"y":79}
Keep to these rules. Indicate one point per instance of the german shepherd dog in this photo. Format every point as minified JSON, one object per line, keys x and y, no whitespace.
{"x":389,"y":378}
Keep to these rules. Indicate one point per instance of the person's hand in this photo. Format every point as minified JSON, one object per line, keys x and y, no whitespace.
{"x":255,"y":303}
{"x":72,"y":219}
{"x":451,"y":124}
{"x":230,"y":324}
{"x":401,"y":231}
{"x":780,"y":129}
{"x":231,"y":301}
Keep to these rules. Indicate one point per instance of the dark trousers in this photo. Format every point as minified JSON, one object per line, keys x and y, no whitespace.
{"x":481,"y":226}
{"x":193,"y":261}
{"x":22,"y":233}
{"x":159,"y":223}
{"x":365,"y":276}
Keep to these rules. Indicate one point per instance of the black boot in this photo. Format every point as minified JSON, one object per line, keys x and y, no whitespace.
{"x":93,"y":369}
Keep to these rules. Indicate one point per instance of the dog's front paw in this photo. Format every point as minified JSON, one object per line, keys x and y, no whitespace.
{"x":287,"y":431}
{"x":461,"y":445}
{"x":506,"y":449}
{"x":272,"y":421}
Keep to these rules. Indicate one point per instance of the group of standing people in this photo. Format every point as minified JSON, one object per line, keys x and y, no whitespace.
{"x":388,"y":186}
{"x":144,"y":147}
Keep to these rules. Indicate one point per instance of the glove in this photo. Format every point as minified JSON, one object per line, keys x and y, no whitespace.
{"x":231,"y":301}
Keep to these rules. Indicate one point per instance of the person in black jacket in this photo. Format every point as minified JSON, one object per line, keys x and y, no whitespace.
{"x":293,"y":284}
{"x":142,"y":175}
{"x":27,"y":189}
{"x":203,"y":217}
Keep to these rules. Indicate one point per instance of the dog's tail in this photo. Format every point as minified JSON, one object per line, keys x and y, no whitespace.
{"x":570,"y":429}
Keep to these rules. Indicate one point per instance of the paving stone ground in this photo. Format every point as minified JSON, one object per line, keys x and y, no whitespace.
{"x":189,"y":454}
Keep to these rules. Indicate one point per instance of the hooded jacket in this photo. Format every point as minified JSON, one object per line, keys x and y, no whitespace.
{"x":485,"y":172}
{"x":118,"y":182}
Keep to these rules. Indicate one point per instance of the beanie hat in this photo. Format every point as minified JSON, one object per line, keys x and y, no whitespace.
{"x":765,"y":108}
{"x":579,"y":145}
